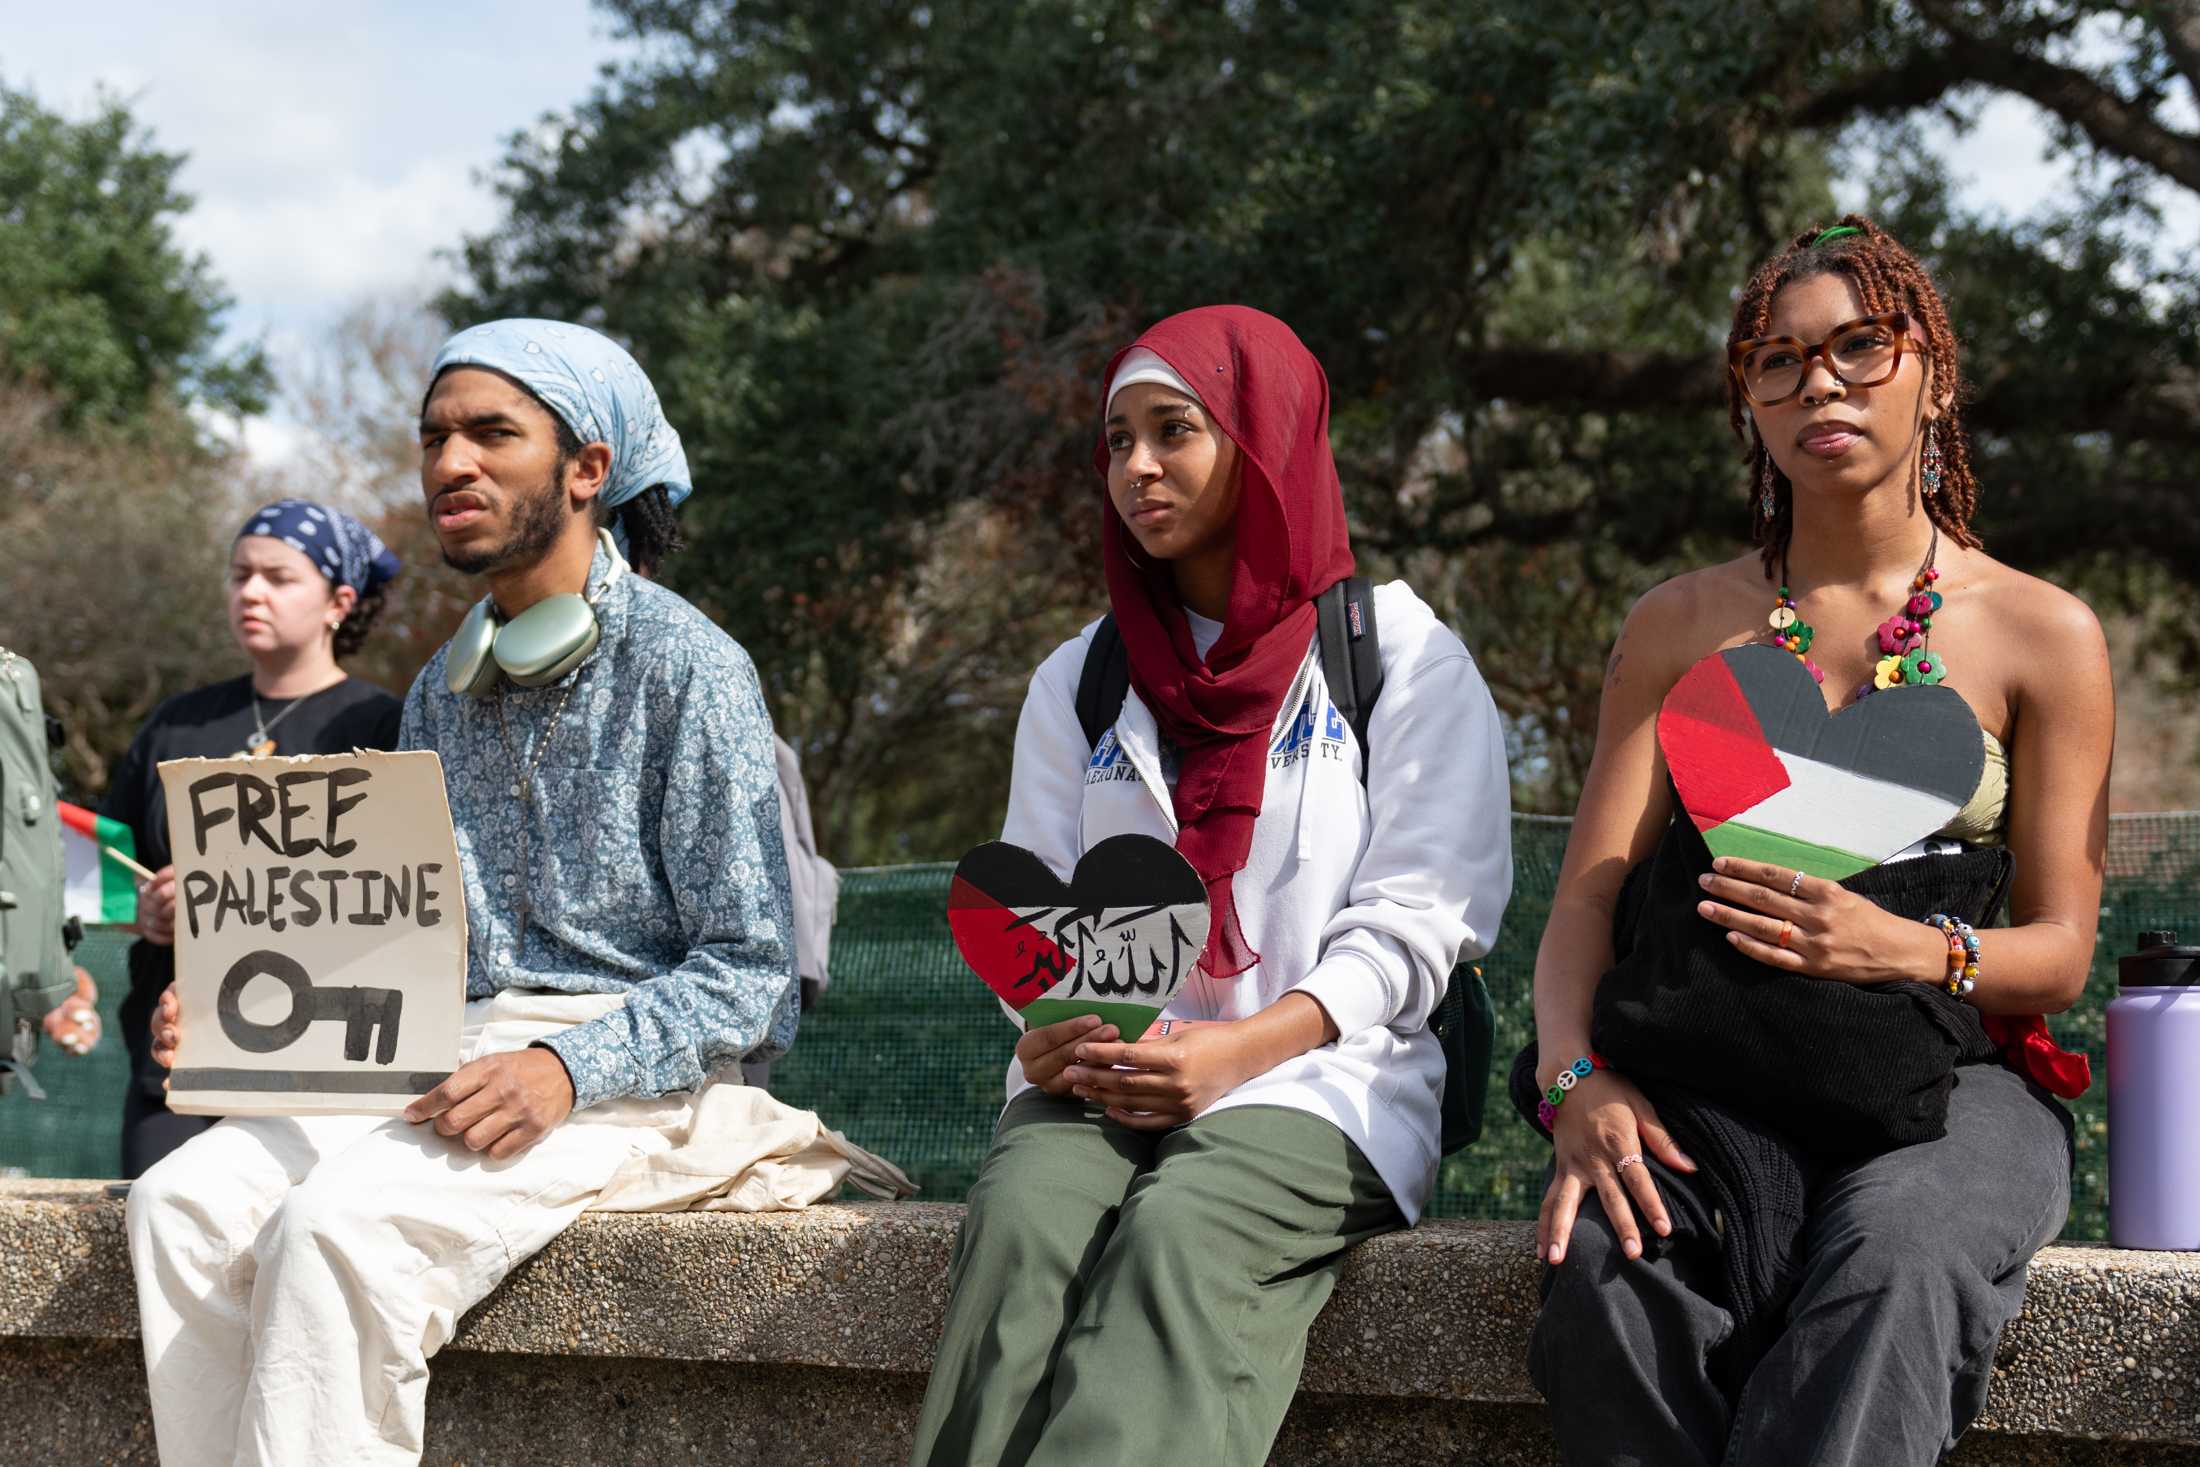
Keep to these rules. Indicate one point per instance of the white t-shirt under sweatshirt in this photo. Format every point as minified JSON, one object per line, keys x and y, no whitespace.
{"x":1363,"y":898}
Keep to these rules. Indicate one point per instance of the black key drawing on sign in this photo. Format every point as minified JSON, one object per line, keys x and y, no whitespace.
{"x":364,"y":1011}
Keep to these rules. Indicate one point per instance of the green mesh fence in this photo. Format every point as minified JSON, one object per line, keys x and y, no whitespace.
{"x":906,"y":1051}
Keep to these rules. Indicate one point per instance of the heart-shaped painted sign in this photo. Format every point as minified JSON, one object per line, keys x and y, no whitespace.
{"x":1117,"y":941}
{"x":1768,"y":775}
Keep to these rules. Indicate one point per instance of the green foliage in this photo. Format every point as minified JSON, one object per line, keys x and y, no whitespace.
{"x":877,"y":254}
{"x":115,"y":500}
{"x":98,"y":306}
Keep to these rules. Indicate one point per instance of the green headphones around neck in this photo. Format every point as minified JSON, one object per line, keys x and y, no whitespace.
{"x":540,"y":645}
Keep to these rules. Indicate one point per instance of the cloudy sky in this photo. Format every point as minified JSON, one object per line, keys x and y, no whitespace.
{"x":334,"y":151}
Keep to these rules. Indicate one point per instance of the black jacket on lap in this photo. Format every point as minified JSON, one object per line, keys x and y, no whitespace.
{"x":1843,"y":1070}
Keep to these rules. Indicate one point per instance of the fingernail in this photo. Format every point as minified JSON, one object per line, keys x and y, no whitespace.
{"x":1685,"y":1159}
{"x":1557,"y":1253}
{"x":1704,"y":880}
{"x":1665,"y":1229}
{"x":1718,"y":863}
{"x":1631,"y":1248}
{"x":1734,"y":938}
{"x":1704,"y":909}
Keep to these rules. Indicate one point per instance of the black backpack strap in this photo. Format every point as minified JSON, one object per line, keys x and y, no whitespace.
{"x":1352,"y":655}
{"x":1104,"y":682}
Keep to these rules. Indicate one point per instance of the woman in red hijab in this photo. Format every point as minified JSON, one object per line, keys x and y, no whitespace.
{"x":1159,"y":1221}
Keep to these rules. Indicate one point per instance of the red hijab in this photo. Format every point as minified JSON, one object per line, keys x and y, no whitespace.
{"x":1263,"y":388}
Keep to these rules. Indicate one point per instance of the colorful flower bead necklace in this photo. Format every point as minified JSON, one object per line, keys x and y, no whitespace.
{"x":1905,"y":639}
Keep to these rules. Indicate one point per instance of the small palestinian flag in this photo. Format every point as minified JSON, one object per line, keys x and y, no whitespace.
{"x":97,"y":888}
{"x":1768,"y":775}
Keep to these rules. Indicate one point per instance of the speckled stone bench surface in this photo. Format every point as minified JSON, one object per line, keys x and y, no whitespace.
{"x":2108,"y":1345}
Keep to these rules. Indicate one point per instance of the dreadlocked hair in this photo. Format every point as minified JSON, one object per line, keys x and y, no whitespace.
{"x":652,"y":528}
{"x":1887,"y":277}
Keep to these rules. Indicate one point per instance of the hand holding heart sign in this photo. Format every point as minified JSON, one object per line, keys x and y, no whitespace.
{"x":1768,"y":775}
{"x":1116,"y":942}
{"x":1791,"y":801}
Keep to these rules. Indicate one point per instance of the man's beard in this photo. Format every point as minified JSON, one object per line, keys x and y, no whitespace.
{"x":538,"y":520}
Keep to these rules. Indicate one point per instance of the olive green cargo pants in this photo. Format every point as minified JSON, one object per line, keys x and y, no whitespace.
{"x":1130,"y":1297}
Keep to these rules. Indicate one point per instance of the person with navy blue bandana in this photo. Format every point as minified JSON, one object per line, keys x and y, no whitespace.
{"x":305,"y":585}
{"x":609,"y":766}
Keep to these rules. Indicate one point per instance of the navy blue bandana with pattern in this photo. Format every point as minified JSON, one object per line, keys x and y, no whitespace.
{"x":340,"y":547}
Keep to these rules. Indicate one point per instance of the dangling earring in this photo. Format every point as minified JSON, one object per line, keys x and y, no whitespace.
{"x":1765,"y":504}
{"x":1930,"y":472}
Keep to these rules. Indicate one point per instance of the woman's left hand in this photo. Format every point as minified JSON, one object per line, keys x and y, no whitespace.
{"x":1808,"y":925}
{"x":1163,"y":1080}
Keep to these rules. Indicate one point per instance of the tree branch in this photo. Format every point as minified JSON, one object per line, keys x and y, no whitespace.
{"x":2114,"y":124}
{"x":2179,"y":23}
{"x":1918,"y":82}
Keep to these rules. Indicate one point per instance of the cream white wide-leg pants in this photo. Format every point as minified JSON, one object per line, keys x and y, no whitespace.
{"x":294,"y":1274}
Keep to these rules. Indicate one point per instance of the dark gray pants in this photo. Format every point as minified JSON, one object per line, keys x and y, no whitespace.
{"x":1912,"y":1263}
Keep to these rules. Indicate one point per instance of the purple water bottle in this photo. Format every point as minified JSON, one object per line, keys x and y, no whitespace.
{"x":2154,"y":1097}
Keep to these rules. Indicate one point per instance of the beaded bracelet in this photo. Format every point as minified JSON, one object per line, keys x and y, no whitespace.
{"x":1962,"y":953}
{"x":1546,"y":1110}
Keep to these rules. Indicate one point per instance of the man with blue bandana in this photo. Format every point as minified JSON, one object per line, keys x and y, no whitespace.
{"x":610,"y":770}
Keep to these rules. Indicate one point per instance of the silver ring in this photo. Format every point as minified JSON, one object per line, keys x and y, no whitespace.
{"x":1165,"y":1023}
{"x":1796,"y":885}
{"x":1632,"y":1158}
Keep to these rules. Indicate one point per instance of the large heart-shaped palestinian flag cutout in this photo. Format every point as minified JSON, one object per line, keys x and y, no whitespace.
{"x":1117,"y":941}
{"x":1768,"y":775}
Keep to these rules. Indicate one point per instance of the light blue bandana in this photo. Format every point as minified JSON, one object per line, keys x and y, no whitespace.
{"x":591,"y":382}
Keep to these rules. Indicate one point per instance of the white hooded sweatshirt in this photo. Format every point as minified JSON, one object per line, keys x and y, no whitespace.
{"x":1363,"y":898}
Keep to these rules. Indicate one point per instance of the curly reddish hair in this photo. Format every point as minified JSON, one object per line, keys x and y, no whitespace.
{"x":1887,"y":277}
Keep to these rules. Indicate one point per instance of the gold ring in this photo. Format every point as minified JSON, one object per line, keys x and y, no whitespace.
{"x":1787,"y":930}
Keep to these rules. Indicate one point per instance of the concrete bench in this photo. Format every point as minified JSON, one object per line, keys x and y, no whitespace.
{"x":804,"y":1338}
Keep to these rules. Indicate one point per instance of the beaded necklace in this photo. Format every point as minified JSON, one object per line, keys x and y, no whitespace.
{"x":1905,"y":639}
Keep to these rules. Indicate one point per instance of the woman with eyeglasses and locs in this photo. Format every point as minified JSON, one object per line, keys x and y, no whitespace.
{"x":305,"y":585}
{"x":1162,"y":1216}
{"x":1804,"y":1144}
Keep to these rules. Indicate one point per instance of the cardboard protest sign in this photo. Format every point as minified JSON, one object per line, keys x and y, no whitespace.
{"x":1768,"y":775}
{"x":320,"y":933}
{"x":1117,"y":941}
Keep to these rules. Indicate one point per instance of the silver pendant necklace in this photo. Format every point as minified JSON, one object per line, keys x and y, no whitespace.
{"x":262,"y":745}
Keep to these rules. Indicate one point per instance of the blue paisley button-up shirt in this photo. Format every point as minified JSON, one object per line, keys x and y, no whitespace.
{"x":650,"y":863}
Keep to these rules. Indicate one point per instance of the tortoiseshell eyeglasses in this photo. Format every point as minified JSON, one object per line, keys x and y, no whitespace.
{"x":1862,"y":353}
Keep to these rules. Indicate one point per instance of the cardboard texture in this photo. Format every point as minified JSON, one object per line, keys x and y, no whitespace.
{"x":320,"y":933}
{"x":1766,"y":773}
{"x":1117,"y":941}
